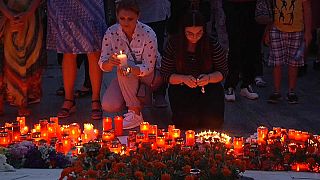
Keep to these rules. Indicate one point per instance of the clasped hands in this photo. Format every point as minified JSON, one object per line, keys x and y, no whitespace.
{"x":192,"y":82}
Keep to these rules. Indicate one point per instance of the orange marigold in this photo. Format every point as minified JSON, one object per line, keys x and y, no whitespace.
{"x":186,"y":169}
{"x":92,"y":173}
{"x":165,"y":176}
{"x":138,"y":174}
{"x":226,"y":171}
{"x":134,"y":161}
{"x":213,"y":170}
{"x":218,"y":156}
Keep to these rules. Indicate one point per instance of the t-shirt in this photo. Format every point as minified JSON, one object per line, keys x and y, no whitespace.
{"x":288,"y":15}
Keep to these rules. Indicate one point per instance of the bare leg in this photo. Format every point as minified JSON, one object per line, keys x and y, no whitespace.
{"x":69,"y":71}
{"x":292,"y":77}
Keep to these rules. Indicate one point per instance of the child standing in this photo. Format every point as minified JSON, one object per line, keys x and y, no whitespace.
{"x":290,"y":33}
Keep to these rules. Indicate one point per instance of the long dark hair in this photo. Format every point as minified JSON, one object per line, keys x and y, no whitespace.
{"x":202,"y":54}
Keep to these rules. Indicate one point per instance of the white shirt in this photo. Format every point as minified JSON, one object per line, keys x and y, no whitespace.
{"x":143,"y":44}
{"x":153,"y":10}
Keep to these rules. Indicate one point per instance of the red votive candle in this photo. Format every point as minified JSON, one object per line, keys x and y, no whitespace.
{"x":107,"y":123}
{"x":118,"y":126}
{"x":262,"y":134}
{"x":190,"y":138}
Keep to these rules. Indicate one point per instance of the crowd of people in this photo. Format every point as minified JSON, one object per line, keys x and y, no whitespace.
{"x":202,"y":50}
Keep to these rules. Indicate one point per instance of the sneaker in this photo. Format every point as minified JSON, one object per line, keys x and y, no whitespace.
{"x":132,"y":120}
{"x":159,"y":101}
{"x":229,"y":95}
{"x":292,"y":98}
{"x":260,"y":82}
{"x":274,"y":98}
{"x":249,"y":93}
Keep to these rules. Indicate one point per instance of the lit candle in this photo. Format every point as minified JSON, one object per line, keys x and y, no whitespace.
{"x":107,"y":135}
{"x":292,"y":134}
{"x":22,"y":122}
{"x":144,"y":128}
{"x":123,"y":59}
{"x":66,"y":144}
{"x":96,"y":133}
{"x":300,"y":167}
{"x":180,"y":141}
{"x":238,"y":144}
{"x":190,"y":138}
{"x":153,"y":129}
{"x":115,"y":147}
{"x":140,"y":138}
{"x":170,"y":130}
{"x":262,"y":134}
{"x":152,"y":138}
{"x":36,"y":136}
{"x":277,"y":131}
{"x":88,"y":132}
{"x":160,"y":141}
{"x":74,"y":131}
{"x":4,"y":139}
{"x":298,"y":136}
{"x":175,"y":134}
{"x":131,"y":139}
{"x":24,"y":130}
{"x":118,"y":126}
{"x":107,"y":123}
{"x":37,"y":127}
{"x":52,"y":131}
{"x":44,"y":128}
{"x":55,"y":120}
{"x":16,"y":131}
{"x":78,"y":147}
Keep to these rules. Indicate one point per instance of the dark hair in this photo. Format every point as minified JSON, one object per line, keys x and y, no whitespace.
{"x":203,"y":53}
{"x":130,"y":5}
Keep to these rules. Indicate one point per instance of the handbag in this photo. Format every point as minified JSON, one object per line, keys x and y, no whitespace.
{"x":264,"y":11}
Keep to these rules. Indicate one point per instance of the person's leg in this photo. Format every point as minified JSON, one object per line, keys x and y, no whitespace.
{"x":251,"y":39}
{"x":112,"y":100}
{"x":292,"y":78}
{"x":276,"y":59}
{"x":69,"y":72}
{"x":235,"y":32}
{"x":96,"y":79}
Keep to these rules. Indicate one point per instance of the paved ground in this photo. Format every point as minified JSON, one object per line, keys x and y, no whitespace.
{"x":241,"y":118}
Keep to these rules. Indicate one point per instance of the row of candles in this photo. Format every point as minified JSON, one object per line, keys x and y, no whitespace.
{"x":67,"y":136}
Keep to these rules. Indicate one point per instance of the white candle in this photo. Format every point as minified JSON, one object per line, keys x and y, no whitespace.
{"x":123,"y":59}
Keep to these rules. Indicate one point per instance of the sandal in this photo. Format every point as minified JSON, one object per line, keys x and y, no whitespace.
{"x":96,"y":114}
{"x":66,"y":112}
{"x":82,"y":93}
{"x":60,"y":91}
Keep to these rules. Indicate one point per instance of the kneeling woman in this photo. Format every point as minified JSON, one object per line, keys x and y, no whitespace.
{"x":194,"y":65}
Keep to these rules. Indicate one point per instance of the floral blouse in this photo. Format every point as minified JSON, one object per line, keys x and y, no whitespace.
{"x":143,"y":45}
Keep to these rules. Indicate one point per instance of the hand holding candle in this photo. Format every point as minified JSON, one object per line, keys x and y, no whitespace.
{"x":123,"y":59}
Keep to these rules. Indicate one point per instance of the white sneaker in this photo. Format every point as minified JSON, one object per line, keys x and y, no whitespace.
{"x":229,"y":95}
{"x":249,"y":93}
{"x":132,"y":120}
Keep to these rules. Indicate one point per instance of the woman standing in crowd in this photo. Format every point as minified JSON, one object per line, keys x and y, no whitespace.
{"x":77,"y":27}
{"x":139,"y":42}
{"x":194,"y":65}
{"x":24,"y":53}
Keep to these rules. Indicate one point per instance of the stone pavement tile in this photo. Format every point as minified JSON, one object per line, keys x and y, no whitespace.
{"x":304,"y":175}
{"x":32,"y":174}
{"x":267,"y":175}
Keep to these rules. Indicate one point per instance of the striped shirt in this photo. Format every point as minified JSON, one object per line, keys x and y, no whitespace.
{"x":168,"y":63}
